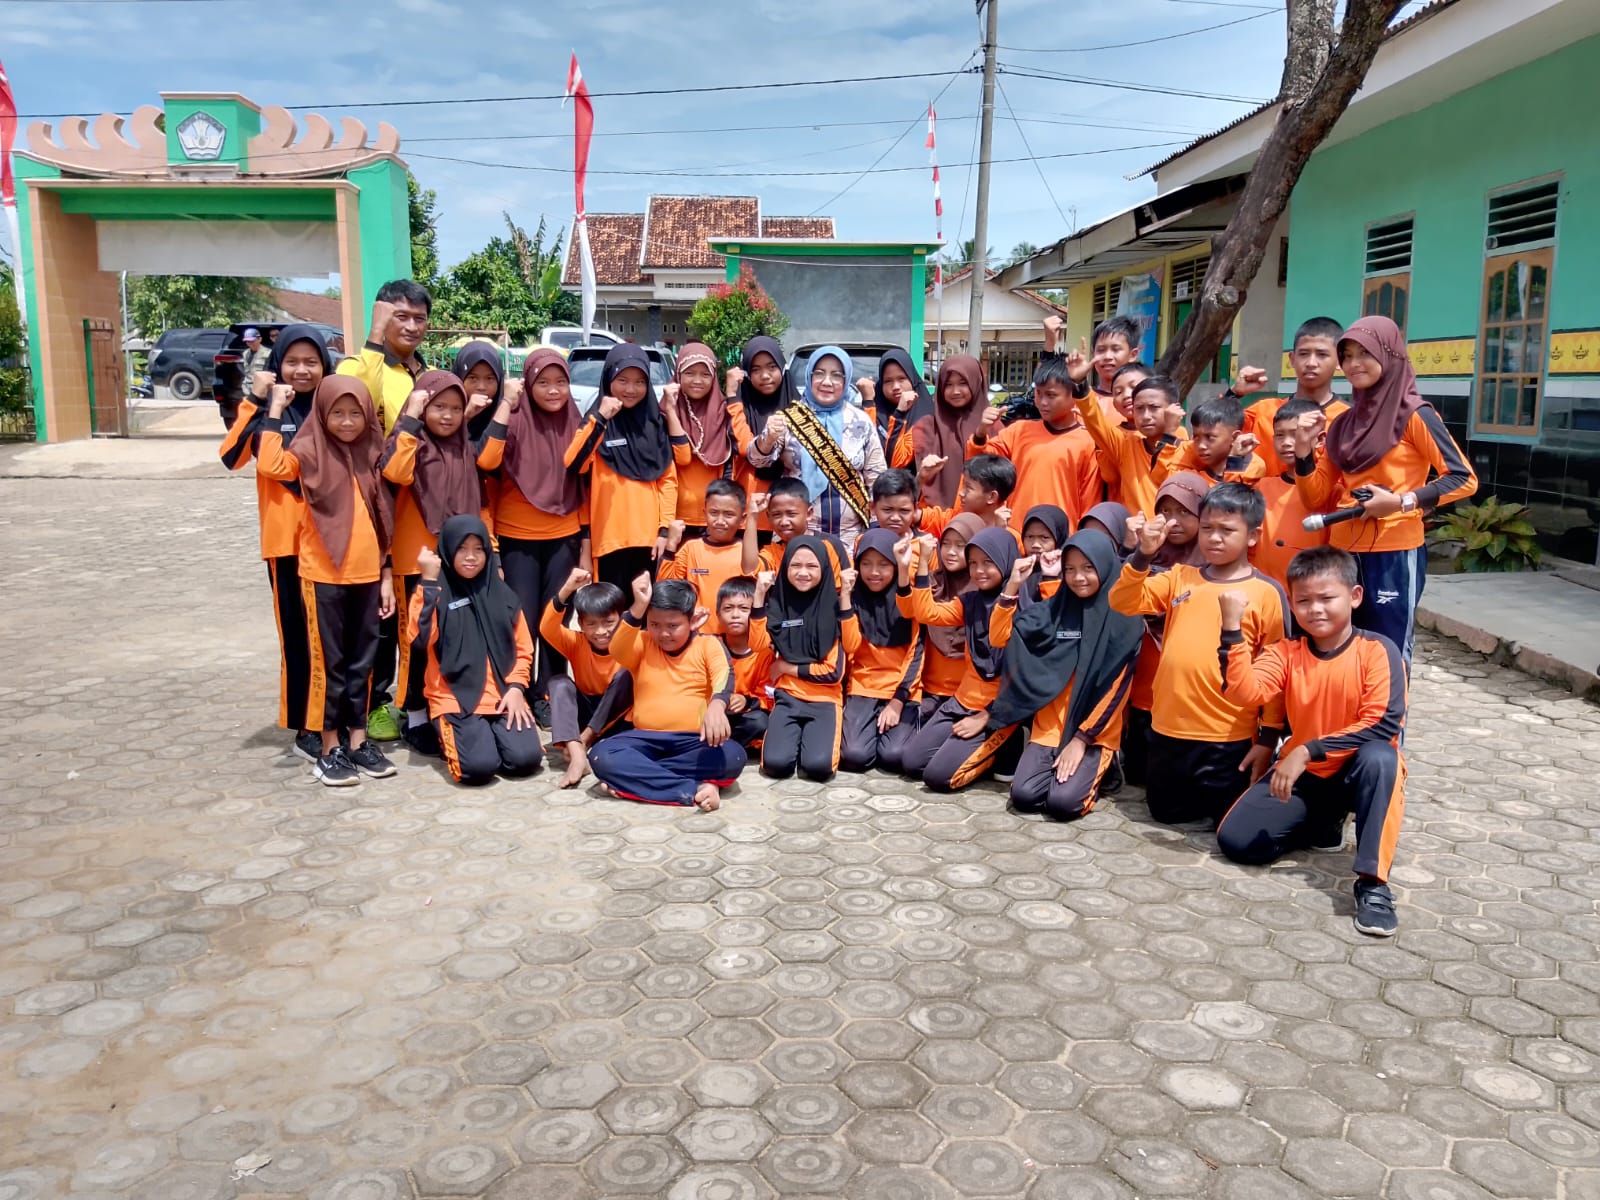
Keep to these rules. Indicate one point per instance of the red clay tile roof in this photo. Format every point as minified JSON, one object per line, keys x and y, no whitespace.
{"x":797,"y":227}
{"x":614,"y":240}
{"x":308,"y":306}
{"x":676,"y":229}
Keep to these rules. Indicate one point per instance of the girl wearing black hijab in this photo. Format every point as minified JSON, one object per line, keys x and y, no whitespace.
{"x":470,"y":627}
{"x":903,"y":401}
{"x":1069,"y":667}
{"x":482,"y":373}
{"x":807,"y":616}
{"x":758,"y":390}
{"x":626,"y":451}
{"x":298,"y":362}
{"x":880,"y":713}
{"x":955,"y":744}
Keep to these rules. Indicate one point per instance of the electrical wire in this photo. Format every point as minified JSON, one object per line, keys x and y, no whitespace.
{"x":1171,"y":37}
{"x":1152,"y":88}
{"x":1049,"y":191}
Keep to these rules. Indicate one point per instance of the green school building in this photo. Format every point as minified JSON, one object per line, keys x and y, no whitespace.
{"x":1459,"y":195}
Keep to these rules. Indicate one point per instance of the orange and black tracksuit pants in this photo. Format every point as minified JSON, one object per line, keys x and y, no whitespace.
{"x":1037,"y":790}
{"x":1260,"y":828}
{"x":342,"y":629}
{"x":864,"y":747}
{"x":945,"y":762}
{"x":802,"y":735}
{"x":479,"y":747}
{"x":294,"y":651}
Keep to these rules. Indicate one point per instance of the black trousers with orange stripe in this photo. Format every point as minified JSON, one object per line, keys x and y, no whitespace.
{"x":1191,"y":780}
{"x":535,"y":571}
{"x":294,"y":650}
{"x":948,"y":763}
{"x":342,"y":633}
{"x":1260,"y":828}
{"x":864,"y":747}
{"x":802,"y":735}
{"x":477,"y":748}
{"x":412,"y":674}
{"x":1037,"y":790}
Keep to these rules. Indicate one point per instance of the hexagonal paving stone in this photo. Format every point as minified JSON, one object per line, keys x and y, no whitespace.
{"x":723,"y":1135}
{"x":891,"y":1137}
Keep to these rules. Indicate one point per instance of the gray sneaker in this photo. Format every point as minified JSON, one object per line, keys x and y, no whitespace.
{"x":1375,"y":909}
{"x":335,"y":769}
{"x":372,"y":762}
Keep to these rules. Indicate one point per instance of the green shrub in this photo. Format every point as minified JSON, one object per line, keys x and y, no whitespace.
{"x":732,"y":314}
{"x":1493,"y":536}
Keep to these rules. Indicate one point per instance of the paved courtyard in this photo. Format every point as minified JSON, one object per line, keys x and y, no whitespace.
{"x":220,"y":979}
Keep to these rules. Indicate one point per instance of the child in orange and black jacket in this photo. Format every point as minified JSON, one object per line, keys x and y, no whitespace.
{"x":474,"y":639}
{"x":298,"y":363}
{"x":804,"y":608}
{"x":345,"y":581}
{"x":955,"y":745}
{"x":627,"y":452}
{"x":1218,"y":448}
{"x":586,"y":706}
{"x":749,"y":708}
{"x":433,"y":467}
{"x":944,"y":653}
{"x":680,"y":749}
{"x":758,"y":391}
{"x":881,"y":711}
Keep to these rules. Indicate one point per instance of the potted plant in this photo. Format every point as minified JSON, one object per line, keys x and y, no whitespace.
{"x":733,"y":313}
{"x":1489,"y":536}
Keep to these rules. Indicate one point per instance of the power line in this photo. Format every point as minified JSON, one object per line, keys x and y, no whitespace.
{"x":966,"y":191}
{"x":1171,"y":37}
{"x":1152,"y":88}
{"x":1049,"y":191}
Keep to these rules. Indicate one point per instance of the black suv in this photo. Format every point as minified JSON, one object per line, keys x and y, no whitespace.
{"x":228,"y":379}
{"x":183,"y":361}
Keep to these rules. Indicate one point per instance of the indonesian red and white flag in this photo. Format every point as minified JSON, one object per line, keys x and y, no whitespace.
{"x":938,"y":200}
{"x":583,"y":130}
{"x":8,"y":187}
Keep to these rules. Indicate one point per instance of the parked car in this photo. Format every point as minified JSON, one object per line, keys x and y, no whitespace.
{"x":227,"y":385}
{"x":865,"y":358}
{"x":565,"y":337}
{"x":584,"y":363}
{"x":183,"y":361}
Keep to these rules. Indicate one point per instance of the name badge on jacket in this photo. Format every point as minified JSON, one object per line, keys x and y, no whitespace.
{"x":461,"y":603}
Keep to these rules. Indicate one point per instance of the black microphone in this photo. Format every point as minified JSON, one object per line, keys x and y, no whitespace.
{"x":1317,"y":522}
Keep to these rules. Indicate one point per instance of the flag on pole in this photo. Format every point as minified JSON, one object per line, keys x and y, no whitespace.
{"x":938,"y":201}
{"x":583,"y":130}
{"x":8,"y":187}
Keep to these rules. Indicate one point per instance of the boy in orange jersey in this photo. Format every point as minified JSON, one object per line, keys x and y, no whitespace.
{"x":986,"y":486}
{"x":1345,"y":694}
{"x":1115,"y":344}
{"x":1219,"y":448}
{"x":1129,"y":451}
{"x":751,"y":658}
{"x":680,"y":749}
{"x":709,"y":561}
{"x":1284,"y":534}
{"x":788,"y":511}
{"x":1315,"y":358}
{"x":1054,"y":456}
{"x":586,"y":705}
{"x":1205,"y":747}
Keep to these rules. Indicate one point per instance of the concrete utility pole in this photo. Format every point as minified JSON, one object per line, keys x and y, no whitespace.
{"x":980,"y":228}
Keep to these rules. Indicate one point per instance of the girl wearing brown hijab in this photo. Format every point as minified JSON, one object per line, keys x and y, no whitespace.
{"x":695,"y":399}
{"x":959,"y":398}
{"x":345,"y":530}
{"x":542,"y":508}
{"x":1393,"y":443}
{"x":431,"y":463}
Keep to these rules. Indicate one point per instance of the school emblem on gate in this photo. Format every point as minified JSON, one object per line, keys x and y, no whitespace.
{"x":201,"y":136}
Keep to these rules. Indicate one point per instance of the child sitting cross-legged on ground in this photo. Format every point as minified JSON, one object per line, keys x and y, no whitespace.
{"x":586,"y":705}
{"x":1345,"y":693}
{"x":679,"y":750}
{"x":469,"y":625}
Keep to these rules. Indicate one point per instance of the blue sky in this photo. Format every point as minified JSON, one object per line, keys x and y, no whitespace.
{"x":90,"y":57}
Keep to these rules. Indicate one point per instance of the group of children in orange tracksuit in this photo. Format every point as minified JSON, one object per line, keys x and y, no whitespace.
{"x":1058,"y":601}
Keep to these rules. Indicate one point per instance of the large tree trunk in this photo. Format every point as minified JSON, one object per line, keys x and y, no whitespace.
{"x":1319,"y":81}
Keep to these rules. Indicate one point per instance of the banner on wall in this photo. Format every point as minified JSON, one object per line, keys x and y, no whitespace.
{"x":1141,"y":300}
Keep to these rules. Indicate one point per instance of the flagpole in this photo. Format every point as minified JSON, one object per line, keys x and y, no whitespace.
{"x":582,"y":131}
{"x":938,"y":234}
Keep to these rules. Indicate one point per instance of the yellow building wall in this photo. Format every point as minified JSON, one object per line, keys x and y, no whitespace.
{"x":1080,"y":296}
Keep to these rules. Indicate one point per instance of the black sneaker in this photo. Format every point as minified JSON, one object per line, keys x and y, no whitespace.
{"x":541,"y":713}
{"x":1111,"y":782}
{"x":308,"y":746}
{"x":371,"y":761}
{"x":424,"y":739}
{"x":336,"y":770}
{"x":1375,"y":909}
{"x":1327,"y":837}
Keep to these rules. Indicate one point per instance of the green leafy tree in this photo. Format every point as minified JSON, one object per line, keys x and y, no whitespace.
{"x":733,"y":313}
{"x":422,"y":208}
{"x":506,"y":285}
{"x":13,"y":370}
{"x":157,"y":303}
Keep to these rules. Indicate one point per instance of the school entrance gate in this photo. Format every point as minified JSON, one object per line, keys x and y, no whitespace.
{"x":207,"y":184}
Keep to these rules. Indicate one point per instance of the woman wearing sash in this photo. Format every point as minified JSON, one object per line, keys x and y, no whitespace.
{"x":832,"y":445}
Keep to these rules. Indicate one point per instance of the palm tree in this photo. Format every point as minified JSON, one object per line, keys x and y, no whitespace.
{"x":1021,"y":251}
{"x":959,"y":258}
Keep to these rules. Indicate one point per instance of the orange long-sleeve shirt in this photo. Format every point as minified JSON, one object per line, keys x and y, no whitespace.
{"x":514,"y":516}
{"x":973,"y":691}
{"x":1425,"y":447}
{"x":888,"y":672}
{"x":1261,"y":416}
{"x":1103,"y":724}
{"x":1189,"y":698}
{"x":707,"y":567}
{"x":1127,"y":464}
{"x":823,"y":681}
{"x":623,"y":512}
{"x":410,"y":530}
{"x":1335,"y":702}
{"x":694,"y":475}
{"x":1179,"y":457}
{"x":441,"y":700}
{"x":898,"y":448}
{"x":277,"y":507}
{"x":752,"y":668}
{"x":591,"y":669}
{"x":364,"y":558}
{"x":671,"y":691}
{"x":1052,"y":467}
{"x":1282,"y":534}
